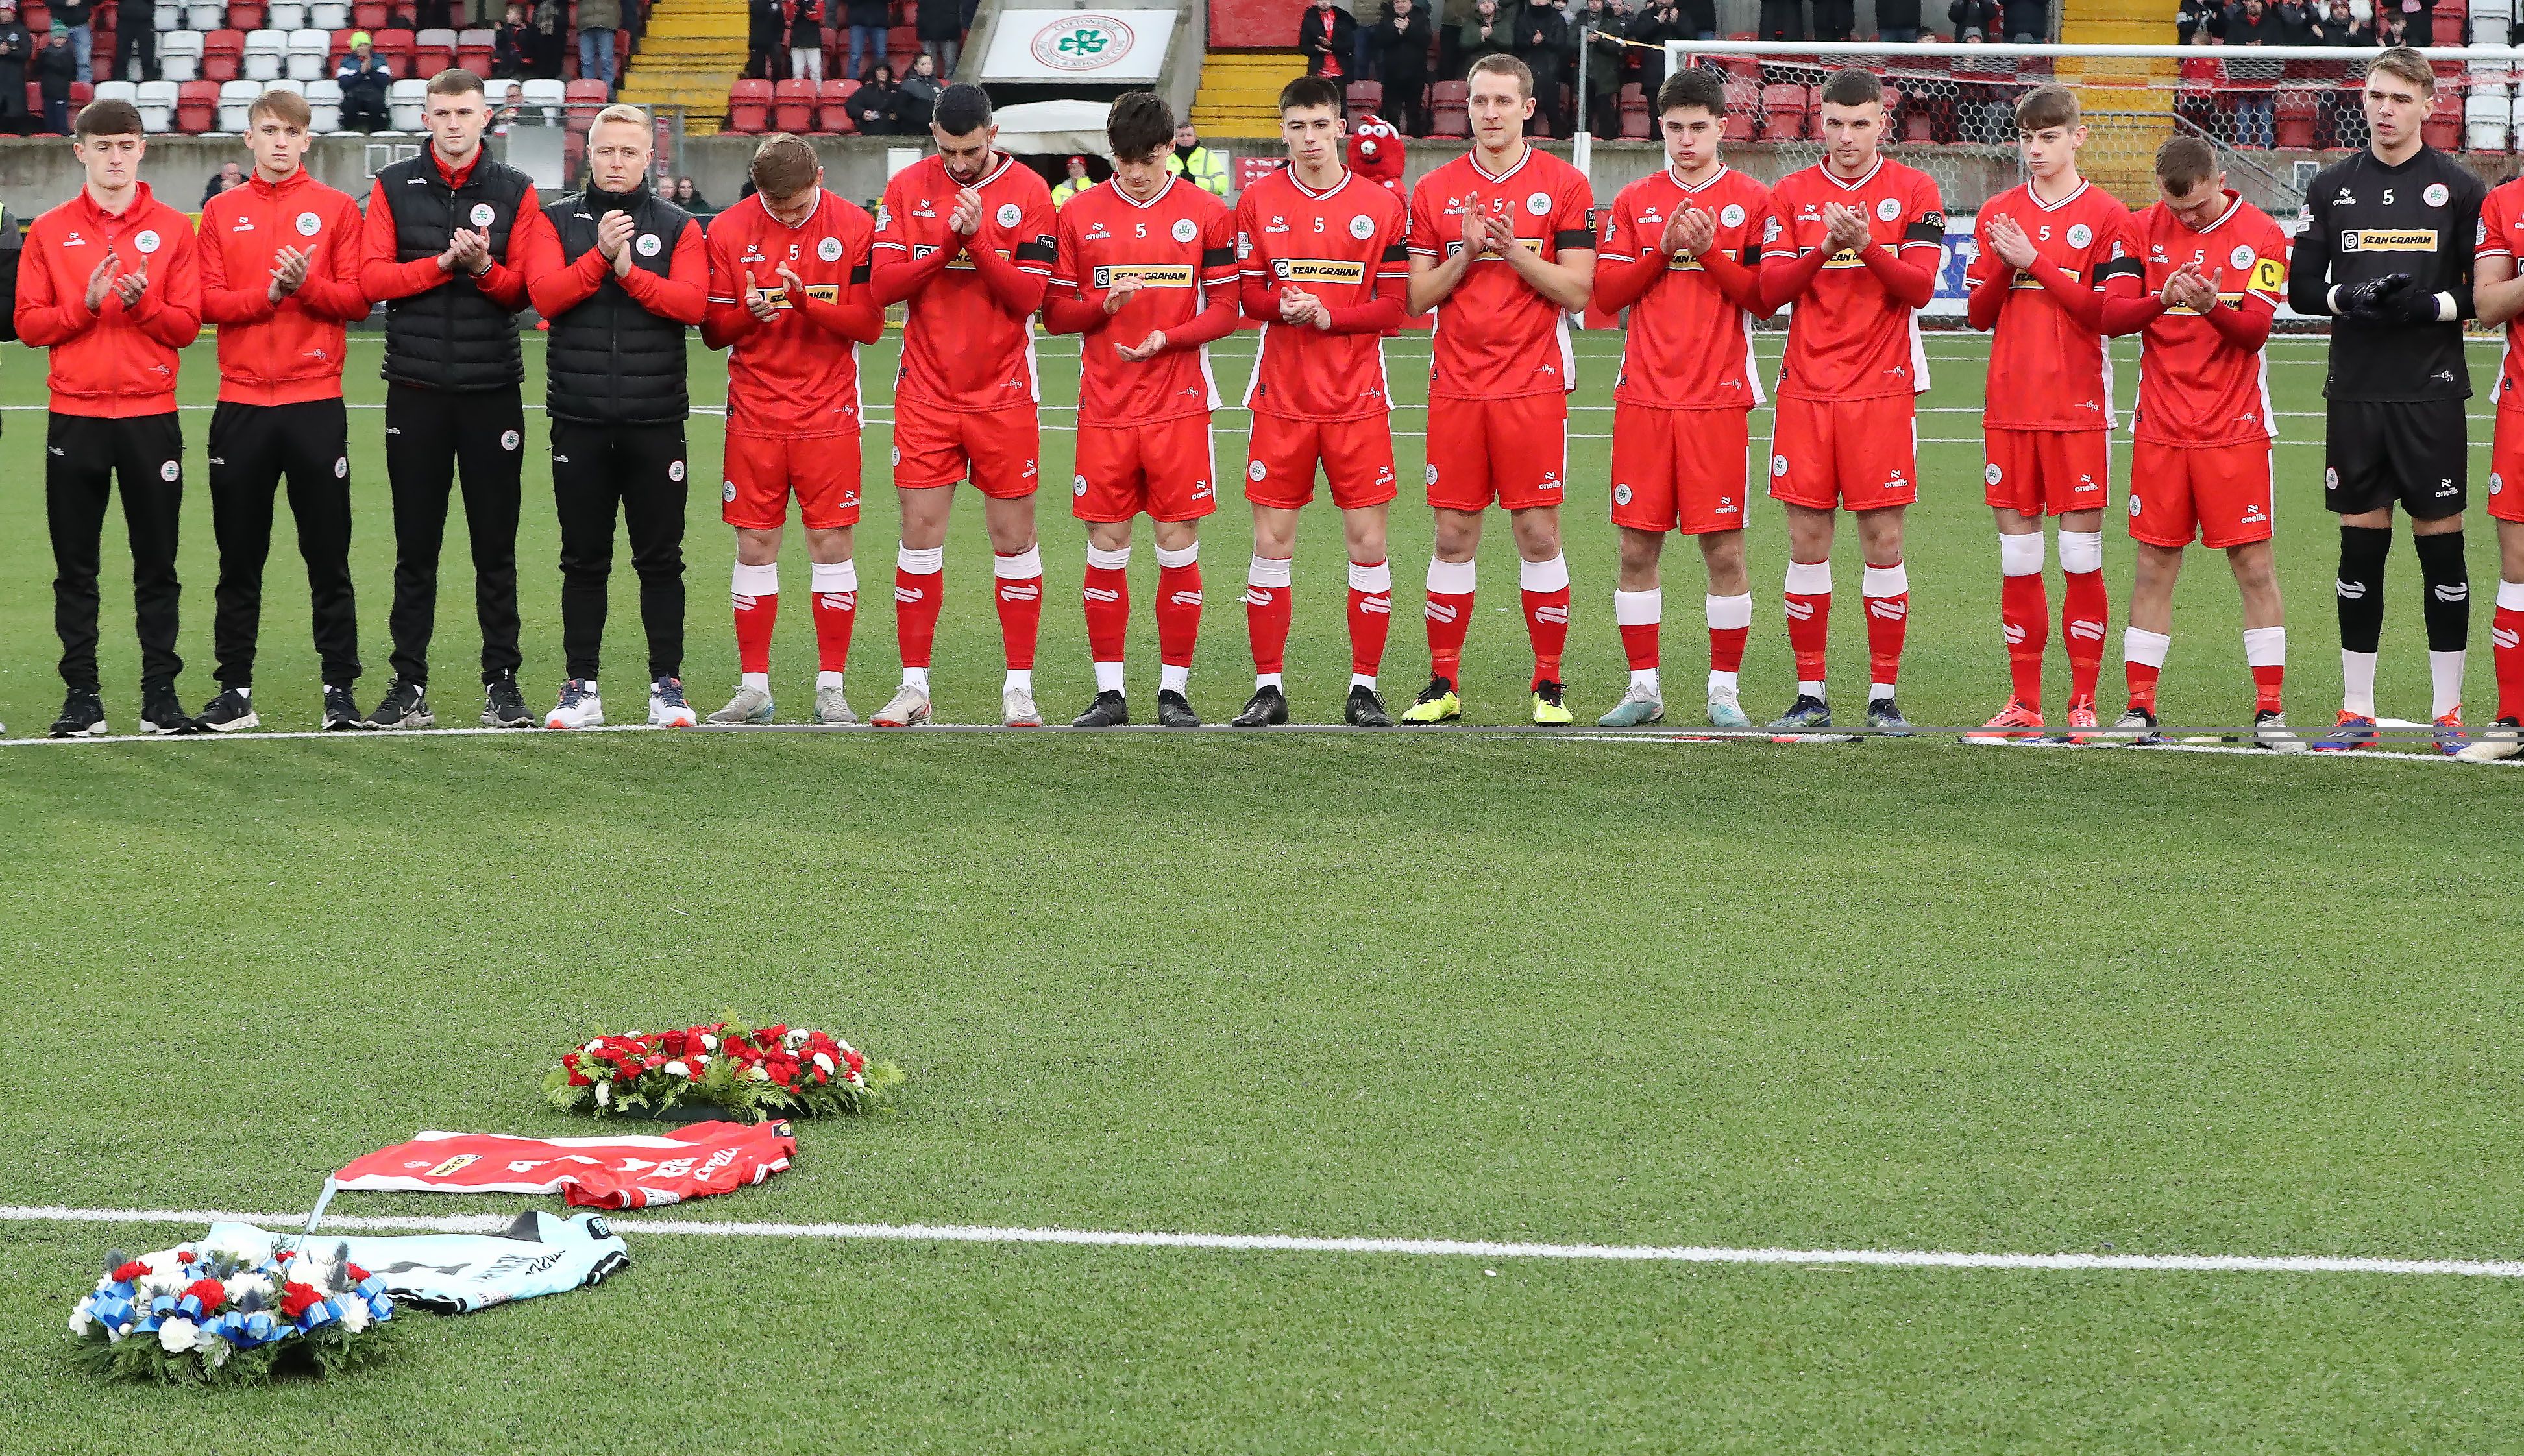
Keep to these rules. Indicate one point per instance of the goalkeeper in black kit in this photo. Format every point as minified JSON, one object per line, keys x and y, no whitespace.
{"x":2386,"y":250}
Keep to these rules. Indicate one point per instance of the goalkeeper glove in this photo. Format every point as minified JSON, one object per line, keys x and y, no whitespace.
{"x":2378,"y":300}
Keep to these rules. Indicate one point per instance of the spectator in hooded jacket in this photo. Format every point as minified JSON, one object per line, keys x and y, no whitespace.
{"x":1485,"y":33}
{"x":876,"y":106}
{"x":56,"y":67}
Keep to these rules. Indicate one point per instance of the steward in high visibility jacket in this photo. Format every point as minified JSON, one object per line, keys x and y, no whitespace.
{"x":1206,"y":169}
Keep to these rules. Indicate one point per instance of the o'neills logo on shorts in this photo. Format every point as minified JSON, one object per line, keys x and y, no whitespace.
{"x":2389,"y":240}
{"x":1318,"y":270}
{"x":1149,"y":275}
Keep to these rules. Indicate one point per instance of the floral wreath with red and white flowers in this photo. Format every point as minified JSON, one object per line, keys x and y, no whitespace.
{"x":749,"y":1073}
{"x":217,"y":1317}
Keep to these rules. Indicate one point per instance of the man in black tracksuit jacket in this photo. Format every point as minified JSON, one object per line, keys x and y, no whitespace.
{"x":442,"y":230}
{"x":622,"y":274}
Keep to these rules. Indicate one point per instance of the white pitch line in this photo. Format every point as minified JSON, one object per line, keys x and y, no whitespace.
{"x":1290,"y":1243}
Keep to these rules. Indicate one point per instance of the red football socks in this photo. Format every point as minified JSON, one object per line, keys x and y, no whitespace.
{"x":1020,"y":599}
{"x":1370,"y":615}
{"x":837,"y":610}
{"x":756,"y":596}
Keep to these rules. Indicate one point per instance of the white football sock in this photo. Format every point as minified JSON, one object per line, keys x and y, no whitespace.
{"x":1019,"y":679}
{"x":825,"y":680}
{"x":2445,"y":676}
{"x":2357,"y":683}
{"x":759,"y":682}
{"x":916,"y":678}
{"x":1173,"y":679}
{"x":1108,"y":677}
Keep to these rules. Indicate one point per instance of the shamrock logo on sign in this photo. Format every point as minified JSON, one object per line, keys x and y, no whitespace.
{"x":1086,"y":42}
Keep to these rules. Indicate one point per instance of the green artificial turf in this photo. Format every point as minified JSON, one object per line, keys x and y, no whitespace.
{"x":1891,"y":995}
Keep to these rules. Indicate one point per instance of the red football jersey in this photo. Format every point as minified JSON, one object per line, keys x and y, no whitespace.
{"x":1687,"y":346}
{"x":790,"y":378}
{"x":2194,"y":388}
{"x":1497,"y":338}
{"x":1181,"y":243}
{"x":2502,"y":236}
{"x":627,"y":1171}
{"x":1343,"y":246}
{"x":961,"y":349}
{"x":2047,"y":371}
{"x":1848,"y":339}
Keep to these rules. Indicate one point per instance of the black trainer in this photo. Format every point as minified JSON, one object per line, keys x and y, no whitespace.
{"x":1268,"y":707}
{"x":1174,"y":711}
{"x":229,"y":712}
{"x":404,"y":705}
{"x":82,"y":715}
{"x":503,"y":706}
{"x":1881,"y":714}
{"x":341,"y":711}
{"x":1806,"y":713}
{"x":163,"y":713}
{"x":2136,"y":727}
{"x":1365,"y":710}
{"x":1109,"y":710}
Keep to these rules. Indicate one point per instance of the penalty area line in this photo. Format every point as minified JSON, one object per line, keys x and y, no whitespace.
{"x":1461,"y":1249}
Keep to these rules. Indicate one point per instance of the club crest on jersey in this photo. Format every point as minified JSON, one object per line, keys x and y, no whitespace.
{"x":1889,"y":209}
{"x":1186,"y":229}
{"x":648,"y":245}
{"x":309,"y":224}
{"x":2079,"y":235}
{"x":1538,"y":204}
{"x":1009,"y":213}
{"x":482,"y":214}
{"x":1361,"y":228}
{"x":147,"y":241}
{"x":2241,"y":258}
{"x":2436,"y":194}
{"x":2331,"y":478}
{"x":1732,"y":216}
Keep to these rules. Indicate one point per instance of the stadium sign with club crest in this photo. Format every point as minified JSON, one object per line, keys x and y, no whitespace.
{"x":1055,"y":45}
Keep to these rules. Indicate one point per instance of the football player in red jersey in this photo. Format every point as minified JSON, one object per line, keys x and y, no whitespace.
{"x":789,"y":299}
{"x":2215,"y":272}
{"x":1682,"y":251}
{"x":2049,"y":251}
{"x":1502,"y":248}
{"x":1145,"y":272}
{"x":1324,"y":269}
{"x":2498,"y":291}
{"x":1860,"y":236}
{"x":967,"y":239}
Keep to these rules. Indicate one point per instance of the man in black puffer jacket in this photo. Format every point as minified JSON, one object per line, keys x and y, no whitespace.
{"x":442,"y":229}
{"x":621,"y":275}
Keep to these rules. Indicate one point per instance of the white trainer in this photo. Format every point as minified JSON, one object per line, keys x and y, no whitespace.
{"x":580,"y":706}
{"x":667,"y":708}
{"x":749,"y":705}
{"x":907,"y":708}
{"x":833,"y":710}
{"x":1017,"y":710}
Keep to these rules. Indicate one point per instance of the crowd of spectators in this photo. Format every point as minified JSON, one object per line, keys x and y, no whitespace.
{"x":808,"y":39}
{"x":2364,"y":23}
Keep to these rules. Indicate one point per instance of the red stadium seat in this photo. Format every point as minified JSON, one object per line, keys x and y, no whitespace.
{"x":244,"y":15}
{"x":82,"y":93}
{"x":1783,"y":113}
{"x":749,"y":106}
{"x":396,"y":47}
{"x":222,"y":52}
{"x":368,"y":16}
{"x":432,"y":51}
{"x":1450,"y":109}
{"x":793,"y":106}
{"x":197,"y":106}
{"x":2442,"y":130}
{"x":1365,"y":99}
{"x":830,"y":112}
{"x":473,"y":50}
{"x":2296,"y":117}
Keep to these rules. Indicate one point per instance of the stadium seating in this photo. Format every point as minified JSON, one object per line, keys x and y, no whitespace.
{"x":2487,"y":122}
{"x":197,"y":106}
{"x":242,"y":15}
{"x":749,"y":106}
{"x":1636,"y":124}
{"x":546,"y":94}
{"x":283,"y":14}
{"x":331,"y":16}
{"x":324,"y":99}
{"x":1449,"y":109}
{"x":1365,"y":98}
{"x":396,"y":47}
{"x":2442,"y":130}
{"x":2296,"y":113}
{"x":309,"y":51}
{"x":266,"y":55}
{"x":473,"y":50}
{"x":432,"y":51}
{"x":831,"y":107}
{"x":222,"y":55}
{"x":234,"y":98}
{"x":206,"y":17}
{"x":793,"y":106}
{"x":406,"y":101}
{"x":369,"y":16}
{"x":156,"y":103}
{"x":1783,"y":111}
{"x":179,"y":56}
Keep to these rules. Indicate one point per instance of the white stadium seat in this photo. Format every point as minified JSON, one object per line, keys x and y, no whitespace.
{"x":2517,"y":116}
{"x":213,"y":16}
{"x":236,"y":98}
{"x":179,"y":56}
{"x":156,"y":103}
{"x":406,"y":101}
{"x":285,"y":16}
{"x":551,"y":95}
{"x":168,"y":17}
{"x":2487,"y":120}
{"x":118,"y":91}
{"x":266,"y":52}
{"x":328,"y":17}
{"x":324,"y":99}
{"x":308,"y":51}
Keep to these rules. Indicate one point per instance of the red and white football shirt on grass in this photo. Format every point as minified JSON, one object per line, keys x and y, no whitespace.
{"x":630,"y":1171}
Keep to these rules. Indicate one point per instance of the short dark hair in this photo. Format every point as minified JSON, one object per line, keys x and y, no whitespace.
{"x":1309,"y":91}
{"x":455,"y":80}
{"x":783,"y":166}
{"x":1693,"y":85}
{"x":1851,"y":86}
{"x":2048,"y":106}
{"x":1139,"y":122}
{"x":109,"y":118}
{"x":2184,"y":163}
{"x":962,"y":109}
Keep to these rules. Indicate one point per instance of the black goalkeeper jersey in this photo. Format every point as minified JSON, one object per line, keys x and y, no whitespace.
{"x":2363,"y":219}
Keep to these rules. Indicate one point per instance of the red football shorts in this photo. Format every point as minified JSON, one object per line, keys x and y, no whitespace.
{"x":1513,"y":451}
{"x":2048,"y":473}
{"x":1356,"y":455}
{"x":762,"y":472}
{"x":1678,"y":470}
{"x":1165,"y":469}
{"x":2219,"y":492}
{"x":998,"y":450}
{"x":1862,"y":454}
{"x":2506,"y":468}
